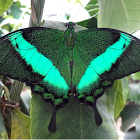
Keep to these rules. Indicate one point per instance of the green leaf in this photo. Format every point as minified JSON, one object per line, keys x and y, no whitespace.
{"x":111,"y":97}
{"x":3,"y":133}
{"x":92,"y":2}
{"x":75,"y":117}
{"x":119,"y":14}
{"x":92,"y":23}
{"x":137,"y":125}
{"x":89,"y":23}
{"x":92,"y":7}
{"x":15,"y":10}
{"x":136,"y":76}
{"x":74,"y":121}
{"x":134,"y":132}
{"x":83,"y":23}
{"x":20,"y":125}
{"x":121,"y":96}
{"x":4,"y":5}
{"x":92,"y":10}
{"x":129,"y":114}
{"x":131,"y":134}
{"x":134,"y":93}
{"x":78,"y":1}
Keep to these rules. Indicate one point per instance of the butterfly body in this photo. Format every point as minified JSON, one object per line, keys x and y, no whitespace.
{"x":55,"y":63}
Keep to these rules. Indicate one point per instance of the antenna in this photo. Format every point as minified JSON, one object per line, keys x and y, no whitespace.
{"x":70,"y":9}
{"x":77,"y":8}
{"x":78,"y":12}
{"x":63,"y":11}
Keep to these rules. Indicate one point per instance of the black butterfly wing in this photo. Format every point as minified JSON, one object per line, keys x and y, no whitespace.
{"x":108,"y":55}
{"x":37,"y":56}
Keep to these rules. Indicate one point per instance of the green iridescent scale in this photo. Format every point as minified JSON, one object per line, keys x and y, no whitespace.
{"x":55,"y":63}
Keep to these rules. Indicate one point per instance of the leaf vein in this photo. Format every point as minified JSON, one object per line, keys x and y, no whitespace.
{"x":125,"y":11}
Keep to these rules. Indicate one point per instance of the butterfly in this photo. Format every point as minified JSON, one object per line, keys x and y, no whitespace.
{"x":56,"y":63}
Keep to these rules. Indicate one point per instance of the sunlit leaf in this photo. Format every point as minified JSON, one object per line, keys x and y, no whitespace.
{"x":4,"y":5}
{"x":119,"y":14}
{"x":20,"y":125}
{"x":121,"y":96}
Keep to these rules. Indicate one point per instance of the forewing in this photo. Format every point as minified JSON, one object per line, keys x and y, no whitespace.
{"x":103,"y":55}
{"x":36,"y":56}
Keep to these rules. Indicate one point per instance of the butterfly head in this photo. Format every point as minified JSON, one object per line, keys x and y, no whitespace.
{"x":70,"y":25}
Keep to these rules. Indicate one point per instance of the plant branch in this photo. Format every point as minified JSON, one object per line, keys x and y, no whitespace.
{"x":37,"y":7}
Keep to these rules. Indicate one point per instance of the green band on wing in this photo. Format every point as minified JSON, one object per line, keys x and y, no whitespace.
{"x":48,"y":96}
{"x":58,"y":101}
{"x":103,"y":63}
{"x":40,"y":64}
{"x":65,"y":97}
{"x":90,"y":99}
{"x":106,"y":83}
{"x":81,"y":96}
{"x":38,"y":88}
{"x":98,"y":91}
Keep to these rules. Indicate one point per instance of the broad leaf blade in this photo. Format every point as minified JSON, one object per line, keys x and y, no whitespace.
{"x":137,"y":125}
{"x":119,"y":14}
{"x":121,"y":96}
{"x":20,"y":125}
{"x":131,"y":134}
{"x":89,"y":23}
{"x":136,"y":76}
{"x":129,"y":114}
{"x":92,"y":7}
{"x":4,"y":5}
{"x":134,"y":93}
{"x":3,"y":133}
{"x":74,"y":121}
{"x":15,"y":10}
